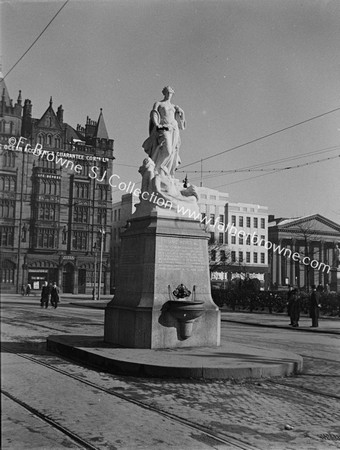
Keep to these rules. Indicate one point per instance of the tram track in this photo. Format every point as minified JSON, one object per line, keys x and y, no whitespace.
{"x":219,"y":438}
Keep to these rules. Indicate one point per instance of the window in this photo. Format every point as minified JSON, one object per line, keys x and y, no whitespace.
{"x":248,"y":222}
{"x":213,"y":255}
{"x":248,"y":240}
{"x":263,"y":240}
{"x":80,"y":240}
{"x":233,"y":256}
{"x":233,"y":238}
{"x":81,"y":190}
{"x":233,"y":220}
{"x":256,"y":224}
{"x":81,"y":214}
{"x":48,"y":187}
{"x":47,"y":211}
{"x":220,"y":238}
{"x":7,"y":183}
{"x":9,"y":159}
{"x":255,"y":239}
{"x":212,"y":219}
{"x":212,"y":238}
{"x":248,"y":257}
{"x":240,"y":256}
{"x":118,"y":214}
{"x":115,"y":215}
{"x":7,"y":272}
{"x":222,"y":255}
{"x":255,"y":258}
{"x":221,"y":218}
{"x":49,"y":140}
{"x":7,"y":209}
{"x":6,"y":236}
{"x":46,"y":238}
{"x":240,"y":221}
{"x":2,"y":126}
{"x":263,"y":222}
{"x":41,"y":139}
{"x":101,"y":217}
{"x":57,"y":142}
{"x":203,"y":217}
{"x":263,"y":258}
{"x":240,"y":239}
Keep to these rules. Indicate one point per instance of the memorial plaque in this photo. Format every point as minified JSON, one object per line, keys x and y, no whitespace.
{"x":186,"y":252}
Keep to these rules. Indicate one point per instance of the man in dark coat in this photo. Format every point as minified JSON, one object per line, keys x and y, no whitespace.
{"x":45,"y":295}
{"x":54,"y":295}
{"x":314,"y":306}
{"x":294,"y":308}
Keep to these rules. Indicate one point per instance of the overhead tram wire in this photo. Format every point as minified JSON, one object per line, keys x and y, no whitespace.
{"x":267,"y":163}
{"x":279,"y":170}
{"x":255,"y":167}
{"x":36,"y":40}
{"x":262,"y":137}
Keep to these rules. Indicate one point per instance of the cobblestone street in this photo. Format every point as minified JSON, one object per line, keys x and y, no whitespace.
{"x":255,"y":413}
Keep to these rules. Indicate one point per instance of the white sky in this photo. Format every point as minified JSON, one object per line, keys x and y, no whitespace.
{"x":241,"y":69}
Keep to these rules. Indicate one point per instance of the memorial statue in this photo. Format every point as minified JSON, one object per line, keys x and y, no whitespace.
{"x":159,"y":186}
{"x":164,"y":141}
{"x":336,"y":256}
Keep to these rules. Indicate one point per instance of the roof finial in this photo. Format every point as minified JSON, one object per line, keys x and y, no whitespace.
{"x":51,"y":101}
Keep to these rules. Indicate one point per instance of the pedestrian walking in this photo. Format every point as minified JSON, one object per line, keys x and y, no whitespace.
{"x":295,"y":308}
{"x":23,"y":290}
{"x":45,"y":295}
{"x":28,"y":289}
{"x":55,"y":295}
{"x":314,"y":307}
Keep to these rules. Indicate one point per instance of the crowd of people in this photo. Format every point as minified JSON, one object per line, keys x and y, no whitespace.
{"x":50,"y":293}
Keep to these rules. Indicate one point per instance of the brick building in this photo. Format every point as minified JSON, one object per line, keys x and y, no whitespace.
{"x":53,"y":217}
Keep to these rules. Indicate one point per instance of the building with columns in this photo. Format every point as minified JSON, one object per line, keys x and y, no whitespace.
{"x":53,"y":218}
{"x":305,"y":255}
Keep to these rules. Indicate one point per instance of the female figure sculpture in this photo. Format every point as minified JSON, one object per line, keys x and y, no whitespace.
{"x":163,"y":143}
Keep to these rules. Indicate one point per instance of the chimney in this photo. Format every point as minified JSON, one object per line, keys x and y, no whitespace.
{"x":60,"y":114}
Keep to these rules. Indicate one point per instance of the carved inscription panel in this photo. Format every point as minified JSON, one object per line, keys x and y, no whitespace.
{"x":188,"y":252}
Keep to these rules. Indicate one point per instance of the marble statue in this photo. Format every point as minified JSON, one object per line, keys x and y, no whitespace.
{"x":159,"y":184}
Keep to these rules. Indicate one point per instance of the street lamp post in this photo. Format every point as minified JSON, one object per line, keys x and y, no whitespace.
{"x":94,"y":294}
{"x":102,"y":232}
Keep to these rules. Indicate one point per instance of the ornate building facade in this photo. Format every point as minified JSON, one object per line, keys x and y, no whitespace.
{"x":304,"y":251}
{"x":57,"y":216}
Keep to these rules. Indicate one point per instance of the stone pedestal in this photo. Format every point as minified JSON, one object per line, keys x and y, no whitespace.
{"x":157,"y":254}
{"x":335,"y":279}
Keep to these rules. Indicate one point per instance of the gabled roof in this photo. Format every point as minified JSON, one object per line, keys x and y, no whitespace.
{"x":317,"y":222}
{"x":101,"y":131}
{"x":49,"y":112}
{"x":3,"y":90}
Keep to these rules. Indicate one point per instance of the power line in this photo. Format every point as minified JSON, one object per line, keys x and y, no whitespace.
{"x":257,"y":167}
{"x":262,"y":137}
{"x":29,"y":48}
{"x":278,"y":170}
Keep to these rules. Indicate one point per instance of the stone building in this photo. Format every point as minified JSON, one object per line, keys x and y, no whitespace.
{"x":58,"y":214}
{"x":237,"y":249}
{"x":304,"y":251}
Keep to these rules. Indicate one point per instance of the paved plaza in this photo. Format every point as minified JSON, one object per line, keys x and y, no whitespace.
{"x":53,"y":403}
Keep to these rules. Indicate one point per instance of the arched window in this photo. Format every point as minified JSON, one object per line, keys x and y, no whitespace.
{"x":9,"y":159}
{"x":57,"y":142}
{"x":49,"y":140}
{"x":41,"y":139}
{"x":2,"y":126}
{"x":11,"y":127}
